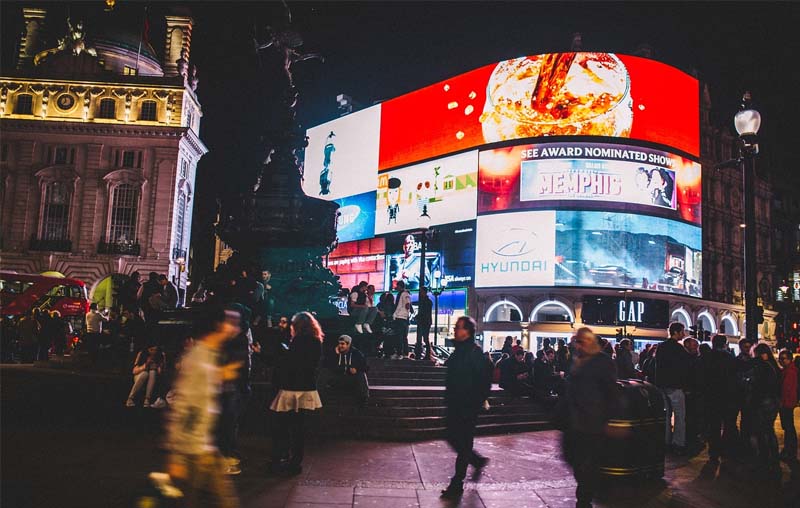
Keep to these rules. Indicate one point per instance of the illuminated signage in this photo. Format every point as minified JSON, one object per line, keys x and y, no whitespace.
{"x":589,"y":175}
{"x":356,"y":219}
{"x":615,"y":311}
{"x":423,"y":195}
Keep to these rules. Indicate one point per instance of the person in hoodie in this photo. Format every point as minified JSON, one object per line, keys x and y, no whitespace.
{"x":345,"y":368}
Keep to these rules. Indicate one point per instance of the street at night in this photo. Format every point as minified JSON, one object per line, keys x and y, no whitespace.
{"x":366,"y":253}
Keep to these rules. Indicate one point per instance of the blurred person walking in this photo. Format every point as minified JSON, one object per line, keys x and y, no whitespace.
{"x":194,"y":461}
{"x":467,"y":386}
{"x":590,"y":401}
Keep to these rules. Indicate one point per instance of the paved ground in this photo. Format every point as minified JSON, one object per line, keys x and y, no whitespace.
{"x":67,"y":441}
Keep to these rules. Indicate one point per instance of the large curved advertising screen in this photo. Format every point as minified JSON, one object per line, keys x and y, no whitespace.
{"x":556,"y":94}
{"x":561,"y":169}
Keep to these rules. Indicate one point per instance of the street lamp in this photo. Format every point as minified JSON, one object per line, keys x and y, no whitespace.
{"x":438,"y":285}
{"x":747,"y":122}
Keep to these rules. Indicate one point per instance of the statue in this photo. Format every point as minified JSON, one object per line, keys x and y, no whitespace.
{"x":194,"y":80}
{"x":272,"y":225}
{"x":183,"y":64}
{"x":75,"y":40}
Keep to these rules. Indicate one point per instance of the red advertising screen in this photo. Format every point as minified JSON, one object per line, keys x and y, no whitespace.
{"x":558,"y":94}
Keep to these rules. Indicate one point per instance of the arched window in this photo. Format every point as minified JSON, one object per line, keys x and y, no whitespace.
{"x":681,"y":316}
{"x":706,"y":320}
{"x":503,"y":311}
{"x":728,"y":325}
{"x":148,"y":111}
{"x":552,"y":311}
{"x":124,"y":207}
{"x":55,"y":212}
{"x":108,"y":108}
{"x":24,"y":105}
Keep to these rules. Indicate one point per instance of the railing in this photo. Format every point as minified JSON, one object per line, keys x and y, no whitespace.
{"x":50,"y":245}
{"x":125,"y":248}
{"x":178,"y":253}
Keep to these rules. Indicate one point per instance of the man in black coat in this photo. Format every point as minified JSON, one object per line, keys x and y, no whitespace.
{"x":424,"y":323}
{"x":673,"y":370}
{"x":345,"y":367}
{"x":717,"y":382}
{"x":468,"y":383}
{"x":515,"y":375}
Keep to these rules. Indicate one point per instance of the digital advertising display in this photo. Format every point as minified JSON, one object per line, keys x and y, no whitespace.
{"x":590,"y":175}
{"x":451,"y":252}
{"x":356,"y":220}
{"x":589,"y":249}
{"x":556,"y":94}
{"x":341,"y":158}
{"x":360,"y":260}
{"x":440,"y":191}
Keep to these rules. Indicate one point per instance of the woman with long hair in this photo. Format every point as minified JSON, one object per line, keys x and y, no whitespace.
{"x":765,"y":402}
{"x":297,"y":393}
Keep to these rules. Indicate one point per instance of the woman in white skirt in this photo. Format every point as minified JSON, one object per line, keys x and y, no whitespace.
{"x":297,"y":393}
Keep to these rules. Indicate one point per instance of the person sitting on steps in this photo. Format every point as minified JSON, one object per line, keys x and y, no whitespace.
{"x":345,"y":369}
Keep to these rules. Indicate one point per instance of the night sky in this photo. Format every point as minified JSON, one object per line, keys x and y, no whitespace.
{"x":378,"y":50}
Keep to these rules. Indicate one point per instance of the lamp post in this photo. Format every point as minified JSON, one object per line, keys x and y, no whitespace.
{"x":747,"y":122}
{"x":439,"y":285}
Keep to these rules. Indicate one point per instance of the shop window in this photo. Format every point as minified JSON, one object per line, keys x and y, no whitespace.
{"x":552,"y":311}
{"x":503,"y":312}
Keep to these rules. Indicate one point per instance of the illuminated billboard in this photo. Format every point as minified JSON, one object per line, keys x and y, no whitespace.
{"x":356,"y":220}
{"x":559,"y":94}
{"x":341,"y":158}
{"x":440,"y":191}
{"x":590,"y":175}
{"x":451,"y":252}
{"x":588,"y":248}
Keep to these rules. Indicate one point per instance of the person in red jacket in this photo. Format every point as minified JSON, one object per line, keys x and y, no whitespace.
{"x":788,"y":402}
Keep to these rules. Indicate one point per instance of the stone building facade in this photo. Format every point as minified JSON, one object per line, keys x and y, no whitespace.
{"x":99,"y":154}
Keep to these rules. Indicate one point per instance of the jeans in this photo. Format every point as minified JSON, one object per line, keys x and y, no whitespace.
{"x":231,"y":405}
{"x":401,"y":329}
{"x":677,"y":406}
{"x":364,"y":315}
{"x":356,"y":384}
{"x":423,"y":336}
{"x":789,"y":433}
{"x":147,"y":377}
{"x":461,"y":436}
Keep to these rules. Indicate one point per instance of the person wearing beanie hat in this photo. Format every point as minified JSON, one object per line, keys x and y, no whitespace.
{"x":345,"y":368}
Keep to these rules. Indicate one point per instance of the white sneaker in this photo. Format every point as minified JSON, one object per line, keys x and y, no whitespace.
{"x":159,"y":403}
{"x":146,"y":403}
{"x":367,"y":328}
{"x":130,"y":403}
{"x":359,"y":329}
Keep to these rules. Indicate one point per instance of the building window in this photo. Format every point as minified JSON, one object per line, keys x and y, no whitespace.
{"x":184,"y":168}
{"x":128,"y":159}
{"x":24,"y":104}
{"x":63,"y":155}
{"x":108,"y":108}
{"x":148,"y":111}
{"x":55,"y":215}
{"x":503,"y":311}
{"x":129,"y":71}
{"x":180,"y":219}
{"x":124,"y":206}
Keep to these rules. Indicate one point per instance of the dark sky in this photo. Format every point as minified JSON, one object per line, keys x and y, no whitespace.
{"x":378,"y":50}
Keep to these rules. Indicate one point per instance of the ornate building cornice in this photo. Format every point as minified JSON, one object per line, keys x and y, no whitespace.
{"x":97,"y":129}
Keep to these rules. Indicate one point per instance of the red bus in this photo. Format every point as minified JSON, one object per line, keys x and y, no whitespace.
{"x":23,"y":292}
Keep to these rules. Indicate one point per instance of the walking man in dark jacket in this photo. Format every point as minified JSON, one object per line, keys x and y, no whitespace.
{"x":672,"y":374}
{"x":468,"y":383}
{"x":590,"y":402}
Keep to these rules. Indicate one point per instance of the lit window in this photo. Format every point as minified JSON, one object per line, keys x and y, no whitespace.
{"x":129,"y":71}
{"x":55,"y":214}
{"x":123,"y":214}
{"x":24,"y":104}
{"x":108,"y":108}
{"x":148,"y":112}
